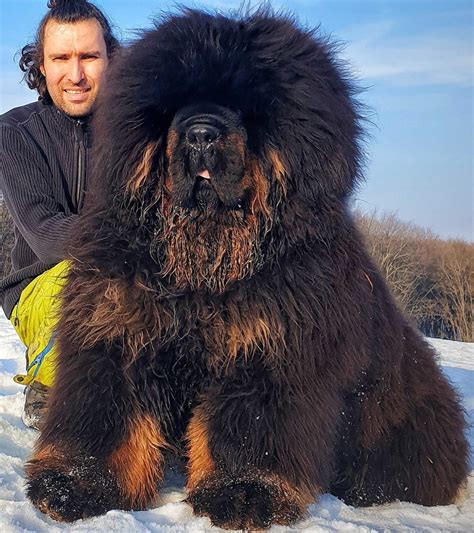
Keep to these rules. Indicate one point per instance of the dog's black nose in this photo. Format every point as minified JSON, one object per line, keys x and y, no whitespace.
{"x":202,"y":134}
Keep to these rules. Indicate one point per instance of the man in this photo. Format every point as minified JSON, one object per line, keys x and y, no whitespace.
{"x":44,"y":149}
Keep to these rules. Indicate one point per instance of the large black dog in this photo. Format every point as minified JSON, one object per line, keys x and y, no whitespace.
{"x":220,"y":301}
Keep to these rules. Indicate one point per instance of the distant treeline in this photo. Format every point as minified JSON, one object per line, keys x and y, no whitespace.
{"x":430,"y":278}
{"x":7,"y":239}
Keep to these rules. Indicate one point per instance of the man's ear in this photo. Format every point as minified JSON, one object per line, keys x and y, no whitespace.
{"x":42,"y":70}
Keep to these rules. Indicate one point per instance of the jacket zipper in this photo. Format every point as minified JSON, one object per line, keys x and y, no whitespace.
{"x":81,"y":165}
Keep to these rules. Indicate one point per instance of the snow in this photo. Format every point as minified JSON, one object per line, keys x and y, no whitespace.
{"x":328,"y":514}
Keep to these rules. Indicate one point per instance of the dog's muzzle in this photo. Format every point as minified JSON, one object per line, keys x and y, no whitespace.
{"x":212,"y":160}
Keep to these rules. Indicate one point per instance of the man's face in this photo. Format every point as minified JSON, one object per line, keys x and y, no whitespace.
{"x":75,"y":60}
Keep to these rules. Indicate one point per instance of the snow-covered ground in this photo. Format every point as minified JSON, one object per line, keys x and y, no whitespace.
{"x":329,"y":514}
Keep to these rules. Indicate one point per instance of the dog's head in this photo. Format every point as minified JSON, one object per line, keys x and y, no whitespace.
{"x":218,"y":139}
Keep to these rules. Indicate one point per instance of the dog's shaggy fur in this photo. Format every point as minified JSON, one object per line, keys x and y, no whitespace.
{"x":220,"y":301}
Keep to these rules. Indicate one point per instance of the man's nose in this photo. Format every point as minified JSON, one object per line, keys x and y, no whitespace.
{"x":76,"y":71}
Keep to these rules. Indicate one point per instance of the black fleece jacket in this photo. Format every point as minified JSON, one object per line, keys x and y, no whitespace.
{"x":44,"y":157}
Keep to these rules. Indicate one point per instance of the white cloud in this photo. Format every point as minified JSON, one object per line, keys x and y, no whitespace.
{"x":442,"y":58}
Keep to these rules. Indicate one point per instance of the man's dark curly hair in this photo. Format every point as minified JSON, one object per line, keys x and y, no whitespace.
{"x":65,"y":11}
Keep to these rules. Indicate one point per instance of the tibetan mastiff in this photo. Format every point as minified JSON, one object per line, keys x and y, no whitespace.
{"x":221,"y":304}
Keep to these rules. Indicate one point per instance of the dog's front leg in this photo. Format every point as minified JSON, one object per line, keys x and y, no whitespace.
{"x":97,"y":450}
{"x":259,"y":452}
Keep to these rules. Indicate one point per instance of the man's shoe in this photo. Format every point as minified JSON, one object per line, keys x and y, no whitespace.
{"x":34,"y":412}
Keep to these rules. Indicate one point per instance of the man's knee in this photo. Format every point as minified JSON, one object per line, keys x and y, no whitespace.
{"x":34,"y":318}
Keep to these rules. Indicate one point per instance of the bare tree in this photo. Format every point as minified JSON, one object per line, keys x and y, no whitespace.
{"x":431,"y":279}
{"x":455,"y":276}
{"x":395,"y":247}
{"x":7,"y":239}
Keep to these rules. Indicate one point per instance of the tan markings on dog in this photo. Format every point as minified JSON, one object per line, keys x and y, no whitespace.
{"x":109,"y":317}
{"x":462,"y":494}
{"x":258,"y":185}
{"x":209,"y":252}
{"x":138,"y":463}
{"x":200,"y":462}
{"x":143,"y":168}
{"x":171,"y":143}
{"x":247,"y":334}
{"x":243,"y":332}
{"x":49,"y":457}
{"x":290,"y":502}
{"x":45,"y":509}
{"x":369,"y":280}
{"x":279,"y":171}
{"x":101,"y":310}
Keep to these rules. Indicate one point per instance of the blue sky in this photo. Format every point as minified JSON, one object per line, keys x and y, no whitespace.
{"x":415,"y":58}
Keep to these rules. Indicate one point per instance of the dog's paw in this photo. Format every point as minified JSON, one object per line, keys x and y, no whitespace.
{"x":244,"y":504}
{"x":72,"y":494}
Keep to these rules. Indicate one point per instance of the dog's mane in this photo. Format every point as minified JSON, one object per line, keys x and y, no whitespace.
{"x":296,"y":100}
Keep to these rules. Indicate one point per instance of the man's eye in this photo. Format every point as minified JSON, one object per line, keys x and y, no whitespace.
{"x":60,"y":58}
{"x":90,"y":56}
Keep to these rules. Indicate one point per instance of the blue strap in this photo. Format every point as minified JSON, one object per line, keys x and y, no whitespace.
{"x":39,"y":358}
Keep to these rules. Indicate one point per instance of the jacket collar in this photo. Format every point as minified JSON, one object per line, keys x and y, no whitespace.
{"x":66,"y":123}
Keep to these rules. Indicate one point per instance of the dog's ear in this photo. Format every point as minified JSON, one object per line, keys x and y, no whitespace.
{"x":313,"y":115}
